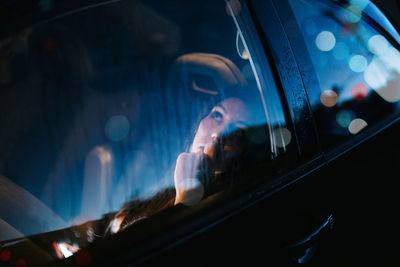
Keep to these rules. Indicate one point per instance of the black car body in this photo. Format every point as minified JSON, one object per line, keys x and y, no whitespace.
{"x":98,"y":98}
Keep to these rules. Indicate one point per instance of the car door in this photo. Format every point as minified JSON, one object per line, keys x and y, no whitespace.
{"x":280,"y":218}
{"x":114,"y":103}
{"x":354,"y":101}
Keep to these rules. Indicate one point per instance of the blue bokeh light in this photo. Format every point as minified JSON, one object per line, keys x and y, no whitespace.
{"x":358,"y":63}
{"x":117,"y":128}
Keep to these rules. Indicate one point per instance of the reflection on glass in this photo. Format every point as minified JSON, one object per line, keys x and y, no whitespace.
{"x":117,"y":128}
{"x":356,"y":67}
{"x":341,"y":51}
{"x":283,"y":137}
{"x":233,"y":7}
{"x":383,"y":74}
{"x":344,"y":118}
{"x":325,"y":41}
{"x":361,"y":4}
{"x":352,"y":14}
{"x":357,"y":125}
{"x":359,"y":92}
{"x":358,"y":63}
{"x":378,"y":44}
{"x":126,"y":108}
{"x":241,"y":47}
{"x":329,"y":98}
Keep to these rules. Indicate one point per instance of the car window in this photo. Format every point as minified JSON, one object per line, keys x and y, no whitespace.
{"x":355,"y":65}
{"x":116,"y":111}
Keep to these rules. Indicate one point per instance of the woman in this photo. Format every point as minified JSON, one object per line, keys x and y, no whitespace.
{"x":220,"y":148}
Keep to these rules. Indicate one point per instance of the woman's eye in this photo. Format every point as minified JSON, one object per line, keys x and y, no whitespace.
{"x":216,"y":115}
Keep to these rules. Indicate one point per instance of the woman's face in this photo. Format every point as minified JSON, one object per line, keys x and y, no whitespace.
{"x":227,"y":117}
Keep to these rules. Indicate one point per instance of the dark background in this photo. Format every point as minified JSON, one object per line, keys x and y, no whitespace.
{"x":392,"y":9}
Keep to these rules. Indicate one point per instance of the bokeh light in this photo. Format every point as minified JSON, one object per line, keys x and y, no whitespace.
{"x":375,"y":76}
{"x":357,"y":125}
{"x":361,"y":4}
{"x":241,"y":48}
{"x":352,"y":14}
{"x":383,"y":75}
{"x":359,"y":91}
{"x":117,"y":128}
{"x":358,"y":63}
{"x":329,"y":98}
{"x":282,"y":137}
{"x":325,"y":41}
{"x":233,"y":7}
{"x":378,"y":44}
{"x":5,"y":255}
{"x":344,"y":118}
{"x":83,"y":257}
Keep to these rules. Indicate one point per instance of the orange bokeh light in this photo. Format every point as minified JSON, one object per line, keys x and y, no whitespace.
{"x":329,"y":98}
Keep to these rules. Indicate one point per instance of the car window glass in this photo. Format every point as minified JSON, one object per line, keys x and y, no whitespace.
{"x":110,"y":107}
{"x":356,"y":67}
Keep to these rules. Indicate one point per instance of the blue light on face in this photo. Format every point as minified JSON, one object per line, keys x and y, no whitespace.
{"x":117,"y":128}
{"x":358,"y":63}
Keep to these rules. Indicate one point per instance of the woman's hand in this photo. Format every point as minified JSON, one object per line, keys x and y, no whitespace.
{"x":192,"y":174}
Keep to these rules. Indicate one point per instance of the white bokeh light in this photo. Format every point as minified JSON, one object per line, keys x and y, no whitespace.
{"x":383,"y":75}
{"x":325,"y":41}
{"x":378,"y":44}
{"x":282,"y":137}
{"x":358,"y":63}
{"x":357,"y":125}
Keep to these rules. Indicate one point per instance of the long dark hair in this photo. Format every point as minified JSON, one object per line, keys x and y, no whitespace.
{"x":139,"y":209}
